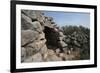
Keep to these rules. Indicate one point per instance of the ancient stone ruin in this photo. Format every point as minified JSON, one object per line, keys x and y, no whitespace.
{"x":42,"y":40}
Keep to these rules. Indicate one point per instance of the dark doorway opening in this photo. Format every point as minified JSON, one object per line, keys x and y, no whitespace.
{"x":52,"y":38}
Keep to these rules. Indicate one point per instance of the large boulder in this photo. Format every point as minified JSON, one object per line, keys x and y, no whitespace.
{"x":37,"y":26}
{"x":38,"y":45}
{"x":34,"y":15}
{"x":28,"y":36}
{"x":30,"y":13}
{"x":41,"y":36}
{"x":26,"y":22}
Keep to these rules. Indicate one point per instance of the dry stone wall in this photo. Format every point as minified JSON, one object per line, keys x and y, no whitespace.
{"x":42,"y":40}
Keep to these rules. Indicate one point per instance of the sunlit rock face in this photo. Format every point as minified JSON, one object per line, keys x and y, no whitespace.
{"x":41,"y":41}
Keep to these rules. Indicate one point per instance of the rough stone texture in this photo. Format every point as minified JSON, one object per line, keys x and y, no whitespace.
{"x":43,"y":50}
{"x":28,"y":36}
{"x":34,"y":58}
{"x":25,"y":22}
{"x":51,"y":56}
{"x":37,"y":26}
{"x":42,"y":40}
{"x":23,"y":54}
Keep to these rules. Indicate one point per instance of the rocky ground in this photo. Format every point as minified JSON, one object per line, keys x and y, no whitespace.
{"x":42,"y":40}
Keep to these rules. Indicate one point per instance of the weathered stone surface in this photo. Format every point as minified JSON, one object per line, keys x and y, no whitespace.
{"x":30,"y":51}
{"x":28,"y":36}
{"x":61,"y":55}
{"x":36,"y":45}
{"x":48,"y":24}
{"x":34,"y":15}
{"x":34,"y":58}
{"x":53,"y":58}
{"x":66,"y":57}
{"x":25,"y":22}
{"x":37,"y":26}
{"x":23,"y":54}
{"x":43,"y":50}
{"x":41,"y":19}
{"x":30,"y":13}
{"x":42,"y":37}
{"x":69,"y":57}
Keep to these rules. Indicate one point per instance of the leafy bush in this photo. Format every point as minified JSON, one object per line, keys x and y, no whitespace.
{"x":79,"y":37}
